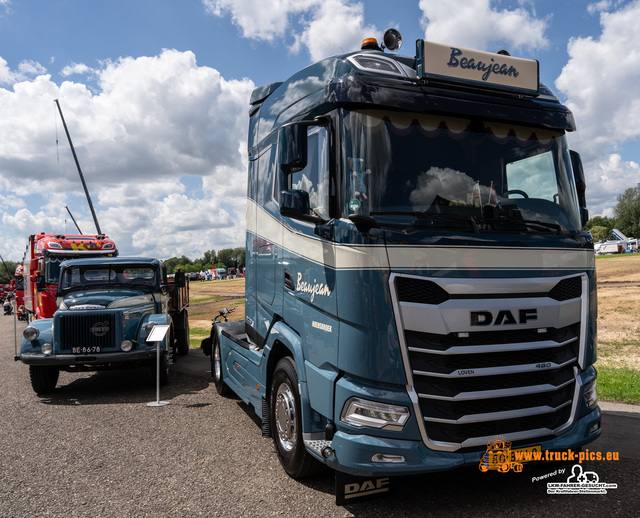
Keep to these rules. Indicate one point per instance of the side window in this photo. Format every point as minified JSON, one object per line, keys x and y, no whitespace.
{"x":535,"y":176}
{"x":314,"y":179}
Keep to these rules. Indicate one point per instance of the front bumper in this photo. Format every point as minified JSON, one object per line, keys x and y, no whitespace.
{"x":88,"y":359}
{"x":353,"y":453}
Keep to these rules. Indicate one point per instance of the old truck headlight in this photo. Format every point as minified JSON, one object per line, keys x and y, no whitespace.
{"x":361,"y":412}
{"x":47,"y":349}
{"x":590,"y":396}
{"x":148,"y":327}
{"x":126,"y":346}
{"x":31,"y":333}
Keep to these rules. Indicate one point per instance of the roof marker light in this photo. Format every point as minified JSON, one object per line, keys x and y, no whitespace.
{"x":370,"y":44}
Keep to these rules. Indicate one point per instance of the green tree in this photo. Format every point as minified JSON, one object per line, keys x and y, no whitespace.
{"x":601,"y":221}
{"x":599,"y":233}
{"x":209,"y":258}
{"x":627,"y":212}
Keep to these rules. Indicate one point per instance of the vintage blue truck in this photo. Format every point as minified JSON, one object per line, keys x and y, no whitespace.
{"x":106,"y":309}
{"x":418,"y":278}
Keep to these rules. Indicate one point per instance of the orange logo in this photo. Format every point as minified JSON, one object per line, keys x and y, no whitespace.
{"x":499,"y":457}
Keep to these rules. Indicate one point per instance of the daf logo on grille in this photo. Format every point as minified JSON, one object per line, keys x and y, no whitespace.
{"x":503,"y":317}
{"x":100,"y":328}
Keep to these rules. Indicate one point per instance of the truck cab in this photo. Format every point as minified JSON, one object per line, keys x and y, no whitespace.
{"x":106,"y":310}
{"x":418,"y":281}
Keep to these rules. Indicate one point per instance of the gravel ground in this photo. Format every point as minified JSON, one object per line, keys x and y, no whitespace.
{"x":94,"y":448}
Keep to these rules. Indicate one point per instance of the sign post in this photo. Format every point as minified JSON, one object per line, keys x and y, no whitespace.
{"x":157,"y":335}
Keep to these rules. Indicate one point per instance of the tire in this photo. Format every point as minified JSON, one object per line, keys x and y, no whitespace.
{"x":44,"y":378}
{"x":183,"y":335}
{"x":216,"y":367}
{"x":286,"y":422}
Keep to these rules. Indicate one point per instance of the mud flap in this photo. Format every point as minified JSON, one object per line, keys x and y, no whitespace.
{"x":352,"y":489}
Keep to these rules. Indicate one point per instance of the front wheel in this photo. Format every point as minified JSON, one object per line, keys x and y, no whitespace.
{"x":286,"y":422}
{"x":44,"y":378}
{"x":216,"y":367}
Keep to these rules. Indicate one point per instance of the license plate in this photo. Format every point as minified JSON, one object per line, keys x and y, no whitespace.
{"x":85,"y":350}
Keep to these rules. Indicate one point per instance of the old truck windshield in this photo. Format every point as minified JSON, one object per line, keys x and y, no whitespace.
{"x":82,"y":277}
{"x":442,"y":173}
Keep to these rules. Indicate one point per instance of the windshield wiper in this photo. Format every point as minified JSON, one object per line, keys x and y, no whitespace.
{"x":543,"y":224}
{"x":428,"y":219}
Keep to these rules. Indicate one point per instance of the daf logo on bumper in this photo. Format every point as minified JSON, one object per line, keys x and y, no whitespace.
{"x":503,"y":317}
{"x":100,"y":328}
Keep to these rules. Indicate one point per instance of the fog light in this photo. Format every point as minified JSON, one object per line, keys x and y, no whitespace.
{"x":327,"y":452}
{"x":361,"y":412}
{"x":31,"y":333}
{"x":590,"y":396}
{"x":46,"y":349}
{"x":126,"y":346}
{"x":594,"y":428}
{"x":385,"y":457}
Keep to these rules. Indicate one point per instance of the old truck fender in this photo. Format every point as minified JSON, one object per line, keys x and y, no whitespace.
{"x":45,"y":330}
{"x":159,"y":319}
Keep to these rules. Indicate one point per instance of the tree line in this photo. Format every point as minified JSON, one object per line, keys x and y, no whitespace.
{"x":626,"y":217}
{"x":225,"y":258}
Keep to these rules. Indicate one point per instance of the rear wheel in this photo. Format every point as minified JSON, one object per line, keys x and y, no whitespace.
{"x":216,"y":367}
{"x":44,"y":378}
{"x":286,"y":422}
{"x":183,"y":335}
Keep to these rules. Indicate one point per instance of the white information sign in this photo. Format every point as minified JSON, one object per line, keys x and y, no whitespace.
{"x":158,"y":333}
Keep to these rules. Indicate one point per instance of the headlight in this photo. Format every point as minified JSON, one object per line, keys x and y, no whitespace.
{"x":361,"y":412}
{"x":590,"y":396}
{"x":31,"y":333}
{"x":148,"y":328}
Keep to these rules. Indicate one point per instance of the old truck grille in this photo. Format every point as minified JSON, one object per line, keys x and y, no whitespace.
{"x":87,"y":330}
{"x":473,"y":380}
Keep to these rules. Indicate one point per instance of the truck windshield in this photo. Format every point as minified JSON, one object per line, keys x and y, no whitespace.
{"x":52,"y":264}
{"x":442,"y":173}
{"x":83,"y":277}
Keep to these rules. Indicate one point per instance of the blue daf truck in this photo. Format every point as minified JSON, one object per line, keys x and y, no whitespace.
{"x":106,"y":308}
{"x":418,"y":282}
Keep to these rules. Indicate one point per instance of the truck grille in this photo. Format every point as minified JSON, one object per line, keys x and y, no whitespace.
{"x":87,"y":330}
{"x":507,"y":377}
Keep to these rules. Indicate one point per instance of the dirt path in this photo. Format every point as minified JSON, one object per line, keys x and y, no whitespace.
{"x":209,"y":297}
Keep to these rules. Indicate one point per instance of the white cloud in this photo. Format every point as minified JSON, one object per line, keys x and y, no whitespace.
{"x":258,"y":19}
{"x":601,"y":82}
{"x":334,"y":27}
{"x":154,"y":121}
{"x":26,"y":69}
{"x":326,"y":27}
{"x":75,"y":68}
{"x":481,"y":25}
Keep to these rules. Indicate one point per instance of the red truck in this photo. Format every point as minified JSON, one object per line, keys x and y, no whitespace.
{"x":17,"y":285}
{"x":44,"y":254}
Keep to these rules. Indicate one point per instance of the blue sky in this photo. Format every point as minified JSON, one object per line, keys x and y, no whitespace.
{"x":155,"y":94}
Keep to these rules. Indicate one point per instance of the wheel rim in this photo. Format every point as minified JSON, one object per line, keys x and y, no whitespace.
{"x":217,"y":367}
{"x":285,"y":413}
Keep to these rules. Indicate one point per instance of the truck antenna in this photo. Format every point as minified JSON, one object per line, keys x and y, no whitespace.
{"x":74,"y":220}
{"x":86,"y":191}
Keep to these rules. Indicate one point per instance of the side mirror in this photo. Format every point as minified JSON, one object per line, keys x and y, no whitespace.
{"x":295,"y":204}
{"x":292,"y":148}
{"x":581,"y":186}
{"x":40,"y":284}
